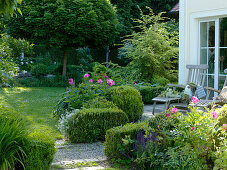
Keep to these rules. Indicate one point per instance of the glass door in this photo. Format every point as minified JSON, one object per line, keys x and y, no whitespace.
{"x":222,"y":51}
{"x":213,"y":50}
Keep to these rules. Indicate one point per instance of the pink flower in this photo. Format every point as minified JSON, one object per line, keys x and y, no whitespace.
{"x":110,"y":82}
{"x":99,"y":81}
{"x":86,"y":75}
{"x":215,"y":115}
{"x":224,"y":126}
{"x":134,"y":83}
{"x":195,"y":99}
{"x":91,"y":81}
{"x":158,"y":126}
{"x":71,"y":81}
{"x":105,"y":76}
{"x":193,"y":128}
{"x":167,"y":115}
{"x":174,"y":110}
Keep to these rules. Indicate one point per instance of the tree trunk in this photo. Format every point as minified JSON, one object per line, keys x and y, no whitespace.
{"x":107,"y":56}
{"x":64,"y":63}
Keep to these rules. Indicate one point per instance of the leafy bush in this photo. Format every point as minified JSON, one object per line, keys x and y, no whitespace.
{"x":39,"y":70}
{"x":115,"y":135}
{"x":149,"y":92}
{"x":40,"y":151}
{"x":89,"y":125}
{"x":57,"y":81}
{"x":127,"y":99}
{"x":7,"y":71}
{"x":99,"y":102}
{"x":19,"y":147}
{"x":185,"y":157}
{"x":154,"y":49}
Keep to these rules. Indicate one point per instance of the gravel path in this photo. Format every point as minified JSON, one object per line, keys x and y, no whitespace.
{"x":87,"y":152}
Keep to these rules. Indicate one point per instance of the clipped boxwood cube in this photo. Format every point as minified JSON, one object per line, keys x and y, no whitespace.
{"x":39,"y":151}
{"x":127,"y":99}
{"x":90,"y":125}
{"x":115,"y":135}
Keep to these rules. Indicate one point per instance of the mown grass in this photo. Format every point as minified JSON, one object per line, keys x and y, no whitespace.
{"x":36,"y":104}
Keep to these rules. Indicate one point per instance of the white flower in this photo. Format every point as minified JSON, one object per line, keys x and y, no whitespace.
{"x":26,"y":62}
{"x":22,"y":63}
{"x":31,"y":62}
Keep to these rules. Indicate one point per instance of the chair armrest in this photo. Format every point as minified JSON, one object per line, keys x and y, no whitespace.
{"x":176,"y":85}
{"x":212,"y":89}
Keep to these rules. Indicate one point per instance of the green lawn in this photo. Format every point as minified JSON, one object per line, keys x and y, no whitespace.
{"x":36,"y":104}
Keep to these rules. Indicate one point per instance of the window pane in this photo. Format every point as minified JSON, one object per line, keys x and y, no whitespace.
{"x":203,"y":58}
{"x":203,"y":34}
{"x":211,"y":58}
{"x":223,"y":32}
{"x":222,"y":60}
{"x":212,"y":34}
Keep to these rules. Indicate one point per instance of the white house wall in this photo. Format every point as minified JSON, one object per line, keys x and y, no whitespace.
{"x":191,"y":11}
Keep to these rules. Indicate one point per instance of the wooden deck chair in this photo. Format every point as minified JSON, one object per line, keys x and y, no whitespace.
{"x":220,"y":100}
{"x":196,"y":74}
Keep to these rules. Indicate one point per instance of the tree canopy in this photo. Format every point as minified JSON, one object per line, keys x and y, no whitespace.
{"x":66,"y":23}
{"x":7,"y":7}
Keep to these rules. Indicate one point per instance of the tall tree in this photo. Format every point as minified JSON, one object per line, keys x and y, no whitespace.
{"x":66,"y":23}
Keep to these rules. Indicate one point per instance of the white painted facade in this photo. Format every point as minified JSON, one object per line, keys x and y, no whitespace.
{"x":192,"y":14}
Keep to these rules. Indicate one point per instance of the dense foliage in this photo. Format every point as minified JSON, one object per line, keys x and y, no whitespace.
{"x":65,"y":24}
{"x":89,"y":125}
{"x":173,"y":141}
{"x":127,"y":99}
{"x":8,"y":7}
{"x":153,"y":49}
{"x":128,"y":10}
{"x":20,"y":147}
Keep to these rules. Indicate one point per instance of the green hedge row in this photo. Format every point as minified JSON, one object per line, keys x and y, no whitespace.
{"x":89,"y":125}
{"x":115,"y":135}
{"x":149,"y":92}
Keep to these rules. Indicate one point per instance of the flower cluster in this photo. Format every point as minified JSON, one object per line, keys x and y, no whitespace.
{"x":110,"y":82}
{"x":71,"y":81}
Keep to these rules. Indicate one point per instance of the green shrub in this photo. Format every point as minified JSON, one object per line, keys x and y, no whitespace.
{"x":19,"y":148}
{"x":39,"y":70}
{"x":40,"y":151}
{"x":89,"y":125}
{"x":57,"y":81}
{"x":99,"y":102}
{"x":127,"y":99}
{"x":115,"y":135}
{"x":149,"y":92}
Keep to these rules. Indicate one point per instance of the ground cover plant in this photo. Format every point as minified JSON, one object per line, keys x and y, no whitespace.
{"x":35,"y":104}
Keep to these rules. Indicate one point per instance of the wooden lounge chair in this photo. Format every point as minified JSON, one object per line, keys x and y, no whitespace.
{"x":196,"y":74}
{"x":220,"y":100}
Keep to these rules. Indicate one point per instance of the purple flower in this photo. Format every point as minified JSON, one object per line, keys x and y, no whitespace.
{"x":174,"y":110}
{"x":99,"y":81}
{"x":86,"y":75}
{"x":195,"y":99}
{"x":193,"y":128}
{"x":158,"y":126}
{"x":110,"y":82}
{"x":167,"y":115}
{"x":91,"y":81}
{"x":105,"y":76}
{"x":215,"y":115}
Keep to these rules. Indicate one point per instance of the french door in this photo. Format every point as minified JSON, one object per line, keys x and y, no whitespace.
{"x":213,"y":50}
